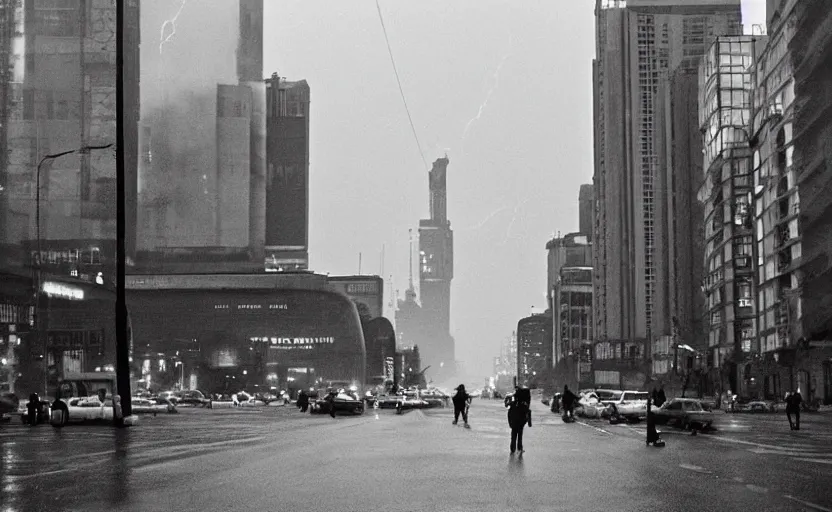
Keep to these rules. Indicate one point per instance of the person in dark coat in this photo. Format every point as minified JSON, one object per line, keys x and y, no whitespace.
{"x":461,"y":399}
{"x":793,"y":402}
{"x":519,"y":414}
{"x":569,"y":398}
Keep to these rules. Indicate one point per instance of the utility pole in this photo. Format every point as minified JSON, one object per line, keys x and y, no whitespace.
{"x":122,"y":334}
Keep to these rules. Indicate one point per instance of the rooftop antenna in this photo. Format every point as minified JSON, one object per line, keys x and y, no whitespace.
{"x":382,"y":261}
{"x":359,"y":263}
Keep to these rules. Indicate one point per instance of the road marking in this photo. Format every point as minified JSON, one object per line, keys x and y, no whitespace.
{"x":756,"y":488}
{"x":593,"y":427}
{"x":816,"y":461}
{"x":697,"y":469}
{"x":760,"y":445}
{"x":808,"y":504}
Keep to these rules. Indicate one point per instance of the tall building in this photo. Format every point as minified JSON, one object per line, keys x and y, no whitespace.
{"x":192,"y":95}
{"x":680,"y":236}
{"x":57,"y":96}
{"x":573,"y":330}
{"x":789,"y":138}
{"x":586,"y":207}
{"x":57,"y":194}
{"x":287,"y":178}
{"x":637,"y":40}
{"x":234,"y":111}
{"x":436,"y":269}
{"x":534,"y":349}
{"x":571,"y":250}
{"x":727,"y":192}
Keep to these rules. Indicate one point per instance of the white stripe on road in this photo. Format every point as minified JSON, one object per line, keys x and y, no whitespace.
{"x":593,"y":427}
{"x":807,"y":504}
{"x":780,"y":449}
{"x":816,"y":461}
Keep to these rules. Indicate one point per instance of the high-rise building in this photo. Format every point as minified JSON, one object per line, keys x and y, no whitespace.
{"x":586,"y":208}
{"x":636,"y":41}
{"x":727,"y":193}
{"x":571,"y":250}
{"x":436,"y":269}
{"x":234,"y":111}
{"x":57,"y":90}
{"x":194,"y":107}
{"x":534,"y":349}
{"x":791,"y":195}
{"x":680,"y":236}
{"x":287,"y":179}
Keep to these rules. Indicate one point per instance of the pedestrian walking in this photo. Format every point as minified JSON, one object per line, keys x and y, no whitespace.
{"x":461,"y":400}
{"x":569,"y":398}
{"x":793,"y":403}
{"x":519,"y":415}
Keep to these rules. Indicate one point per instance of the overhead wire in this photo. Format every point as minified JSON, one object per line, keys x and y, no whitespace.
{"x":399,"y":82}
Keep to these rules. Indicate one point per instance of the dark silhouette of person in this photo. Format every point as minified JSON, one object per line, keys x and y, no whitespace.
{"x":303,"y":401}
{"x":793,"y":403}
{"x":569,"y":398}
{"x":330,"y":399}
{"x":519,"y":414}
{"x":661,"y":398}
{"x":461,"y":399}
{"x":33,"y":408}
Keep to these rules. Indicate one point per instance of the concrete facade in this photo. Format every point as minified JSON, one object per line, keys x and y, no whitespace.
{"x":636,"y":41}
{"x":57,"y":94}
{"x":287,"y":177}
{"x":680,"y":237}
{"x":184,"y":176}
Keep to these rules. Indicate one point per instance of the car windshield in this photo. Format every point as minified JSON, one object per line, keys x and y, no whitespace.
{"x":636,"y":396}
{"x":692,"y":406}
{"x":609,"y":395}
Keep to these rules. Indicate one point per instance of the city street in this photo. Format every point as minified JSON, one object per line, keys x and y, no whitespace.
{"x":279,"y":459}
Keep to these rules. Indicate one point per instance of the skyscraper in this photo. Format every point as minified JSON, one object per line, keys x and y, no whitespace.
{"x":57,"y":95}
{"x":287,"y":177}
{"x":195,"y":163}
{"x":436,"y":268}
{"x":636,"y":41}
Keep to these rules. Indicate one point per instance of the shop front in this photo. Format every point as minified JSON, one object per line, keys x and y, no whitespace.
{"x":16,"y":321}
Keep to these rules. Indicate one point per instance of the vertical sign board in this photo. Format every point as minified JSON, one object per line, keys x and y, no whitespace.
{"x":389,"y":370}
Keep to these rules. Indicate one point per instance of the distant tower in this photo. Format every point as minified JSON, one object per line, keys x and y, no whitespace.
{"x":436,"y":273}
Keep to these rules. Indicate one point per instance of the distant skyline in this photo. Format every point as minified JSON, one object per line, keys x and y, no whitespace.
{"x":503,"y":87}
{"x":486,"y":83}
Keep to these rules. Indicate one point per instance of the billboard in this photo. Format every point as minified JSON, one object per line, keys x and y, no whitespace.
{"x":366,"y":291}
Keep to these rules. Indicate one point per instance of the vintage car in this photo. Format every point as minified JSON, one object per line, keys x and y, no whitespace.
{"x":596,"y":403}
{"x":685,"y":413}
{"x":79,"y":399}
{"x":344,"y":401}
{"x":631,"y":406}
{"x":154,"y":406}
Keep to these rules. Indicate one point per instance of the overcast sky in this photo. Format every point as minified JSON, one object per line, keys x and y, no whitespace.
{"x":516,"y":74}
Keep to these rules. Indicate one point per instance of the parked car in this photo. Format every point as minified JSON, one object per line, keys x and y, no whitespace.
{"x":79,"y":401}
{"x":597,"y":403}
{"x":685,"y":413}
{"x":631,"y":406}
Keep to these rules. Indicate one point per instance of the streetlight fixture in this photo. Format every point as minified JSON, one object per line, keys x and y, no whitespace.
{"x":83,"y":150}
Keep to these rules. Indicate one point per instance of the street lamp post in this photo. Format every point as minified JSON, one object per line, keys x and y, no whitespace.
{"x":42,"y":337}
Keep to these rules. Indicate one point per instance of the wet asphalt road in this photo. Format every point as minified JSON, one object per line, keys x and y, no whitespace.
{"x":277,"y":459}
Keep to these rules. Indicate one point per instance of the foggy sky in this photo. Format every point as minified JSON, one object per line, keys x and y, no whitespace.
{"x":512,"y":182}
